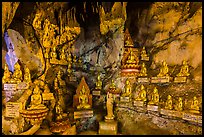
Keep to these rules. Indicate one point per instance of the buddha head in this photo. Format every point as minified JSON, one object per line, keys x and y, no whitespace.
{"x":142,"y":87}
{"x":16,"y":66}
{"x":36,"y":90}
{"x":54,"y":49}
{"x":155,"y":90}
{"x":180,"y":99}
{"x":143,"y":65}
{"x":98,"y":77}
{"x":169,"y":97}
{"x":184,"y":62}
{"x":164,"y":63}
{"x":127,"y":82}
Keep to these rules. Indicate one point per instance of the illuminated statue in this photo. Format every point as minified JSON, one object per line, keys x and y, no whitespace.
{"x":98,"y":82}
{"x":83,"y":100}
{"x":62,"y":56}
{"x":36,"y":100}
{"x":169,"y":103}
{"x":184,"y":70}
{"x":59,"y":112}
{"x":112,"y":86}
{"x":7,"y":75}
{"x":27,"y":77}
{"x":109,"y":105}
{"x":143,"y":71}
{"x":194,"y":108}
{"x":154,"y":97}
{"x":142,"y":94}
{"x":179,"y":105}
{"x":143,"y":53}
{"x":17,"y":75}
{"x":131,"y":57}
{"x":163,"y":70}
{"x":53,"y":53}
{"x":128,"y":89}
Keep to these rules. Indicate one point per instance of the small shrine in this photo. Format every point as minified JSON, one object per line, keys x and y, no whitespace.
{"x":82,"y":101}
{"x":130,"y":60}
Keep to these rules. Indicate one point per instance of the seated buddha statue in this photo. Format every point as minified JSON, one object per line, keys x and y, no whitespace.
{"x":128,"y":89}
{"x":59,"y":112}
{"x":98,"y":82}
{"x":143,"y":71}
{"x":62,"y":55}
{"x":169,"y":103}
{"x":60,"y":80}
{"x":184,"y":70}
{"x":163,"y":70}
{"x":131,"y":57}
{"x":154,"y":97}
{"x":36,"y":100}
{"x":53,"y":53}
{"x":194,"y":108}
{"x":142,"y":94}
{"x":143,"y":52}
{"x":7,"y":75}
{"x":27,"y":77}
{"x":179,"y":105}
{"x":83,"y":99}
{"x":17,"y":75}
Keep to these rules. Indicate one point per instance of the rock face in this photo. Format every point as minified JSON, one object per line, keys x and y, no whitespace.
{"x":93,"y":31}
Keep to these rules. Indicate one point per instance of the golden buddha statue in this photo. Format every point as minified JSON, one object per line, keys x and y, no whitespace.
{"x":53,"y":53}
{"x":109,"y":105}
{"x":169,"y":103}
{"x":83,"y":99}
{"x":163,"y":70}
{"x":128,"y":89}
{"x":194,"y":108}
{"x":143,"y":71}
{"x":36,"y":99}
{"x":143,"y":53}
{"x":59,"y":77}
{"x":27,"y":77}
{"x":131,"y":57}
{"x":179,"y":105}
{"x":17,"y":75}
{"x":75,"y":59}
{"x":62,"y":55}
{"x":59,"y":112}
{"x":7,"y":75}
{"x":154,"y":97}
{"x":112,"y":86}
{"x":69,"y":58}
{"x":184,"y":70}
{"x":142,"y":94}
{"x":98,"y":82}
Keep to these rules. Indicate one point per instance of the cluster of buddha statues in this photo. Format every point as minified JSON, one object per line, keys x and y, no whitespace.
{"x":17,"y":76}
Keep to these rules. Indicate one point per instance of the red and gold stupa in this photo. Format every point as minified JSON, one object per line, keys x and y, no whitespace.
{"x":130,"y":60}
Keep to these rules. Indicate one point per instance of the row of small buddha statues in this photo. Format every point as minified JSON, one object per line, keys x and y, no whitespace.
{"x":17,"y":75}
{"x":164,"y":70}
{"x":154,"y":100}
{"x":62,"y":57}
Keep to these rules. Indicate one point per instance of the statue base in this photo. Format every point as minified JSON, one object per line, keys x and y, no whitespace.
{"x":152,"y":108}
{"x":164,"y":79}
{"x":72,"y":78}
{"x":180,"y":79}
{"x":167,"y":113}
{"x":192,"y":118}
{"x":143,"y":80}
{"x":96,"y":92}
{"x":83,"y":114}
{"x":60,"y":126}
{"x":108,"y":127}
{"x":125,"y":99}
{"x":22,"y":85}
{"x":12,"y":109}
{"x":145,"y":58}
{"x":138,"y":103}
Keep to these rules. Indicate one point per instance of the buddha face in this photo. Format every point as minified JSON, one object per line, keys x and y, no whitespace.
{"x":143,"y":64}
{"x":184,"y":62}
{"x":127,"y":82}
{"x":36,"y":90}
{"x":195,"y":98}
{"x":180,"y":99}
{"x":164,"y":63}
